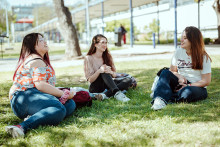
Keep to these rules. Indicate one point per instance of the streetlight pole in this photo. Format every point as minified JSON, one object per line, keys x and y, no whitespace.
{"x":198,"y":14}
{"x":103,"y":30}
{"x":87,"y":22}
{"x":175,"y":32}
{"x":7,"y":27}
{"x":158,"y":23}
{"x":131,"y":24}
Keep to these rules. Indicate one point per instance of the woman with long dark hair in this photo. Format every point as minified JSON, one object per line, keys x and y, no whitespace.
{"x":99,"y":70}
{"x":190,"y":70}
{"x":33,"y":92}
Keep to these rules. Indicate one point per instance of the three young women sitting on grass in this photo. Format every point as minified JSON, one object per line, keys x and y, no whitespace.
{"x":34,"y":93}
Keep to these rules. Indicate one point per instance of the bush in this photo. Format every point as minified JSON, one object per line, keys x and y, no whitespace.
{"x":207,"y":40}
{"x":166,"y":41}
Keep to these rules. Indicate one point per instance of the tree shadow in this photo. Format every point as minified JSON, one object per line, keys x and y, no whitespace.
{"x":138,"y":108}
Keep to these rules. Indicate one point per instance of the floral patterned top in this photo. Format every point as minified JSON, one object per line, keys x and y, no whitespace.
{"x":26,"y":76}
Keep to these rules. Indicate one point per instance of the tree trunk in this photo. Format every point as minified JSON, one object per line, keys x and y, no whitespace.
{"x":67,"y":29}
{"x":218,"y":32}
{"x":216,"y":7}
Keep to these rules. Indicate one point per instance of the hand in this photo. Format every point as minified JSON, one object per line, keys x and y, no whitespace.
{"x":182,"y":80}
{"x":108,"y":70}
{"x":183,"y":85}
{"x":102,"y":69}
{"x":72,"y":91}
{"x":72,"y":94}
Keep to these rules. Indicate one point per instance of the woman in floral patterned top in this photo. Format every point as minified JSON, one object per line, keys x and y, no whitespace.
{"x":33,"y":92}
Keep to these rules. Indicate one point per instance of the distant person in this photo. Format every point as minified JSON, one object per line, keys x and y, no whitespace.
{"x":99,"y":70}
{"x":190,"y":70}
{"x":123,"y":33}
{"x":33,"y":92}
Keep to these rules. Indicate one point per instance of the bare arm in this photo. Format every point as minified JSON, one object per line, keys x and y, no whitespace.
{"x":43,"y":86}
{"x":103,"y":69}
{"x":181,"y":78}
{"x":110,"y":71}
{"x":93,"y":77}
{"x":205,"y":81}
{"x":47,"y":88}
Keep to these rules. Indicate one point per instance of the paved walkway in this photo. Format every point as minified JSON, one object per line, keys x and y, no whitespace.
{"x":137,"y":53}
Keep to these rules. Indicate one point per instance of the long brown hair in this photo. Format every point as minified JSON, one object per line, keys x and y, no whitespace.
{"x":194,"y":35}
{"x":28,"y":48}
{"x":106,"y":56}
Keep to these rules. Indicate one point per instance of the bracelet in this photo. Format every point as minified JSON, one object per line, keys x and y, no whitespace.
{"x":65,"y":96}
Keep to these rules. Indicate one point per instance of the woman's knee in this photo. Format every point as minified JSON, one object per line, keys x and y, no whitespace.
{"x":192,"y":94}
{"x":70,"y":106}
{"x":165,"y":72}
{"x":60,"y":113}
{"x":185,"y":93}
{"x":105,"y":75}
{"x":53,"y":115}
{"x":127,"y":81}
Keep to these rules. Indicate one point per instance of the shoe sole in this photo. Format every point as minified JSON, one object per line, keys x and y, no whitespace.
{"x":157,"y":108}
{"x":126,"y":100}
{"x":123,"y":100}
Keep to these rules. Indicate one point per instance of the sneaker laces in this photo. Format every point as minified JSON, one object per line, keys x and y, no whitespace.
{"x":121,"y":96}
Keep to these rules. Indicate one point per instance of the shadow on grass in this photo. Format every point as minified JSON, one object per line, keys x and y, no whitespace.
{"x":111,"y":110}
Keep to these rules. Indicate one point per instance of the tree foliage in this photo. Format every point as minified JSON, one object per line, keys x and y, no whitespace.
{"x":80,"y":27}
{"x":43,"y":14}
{"x":115,"y":24}
{"x":11,"y":18}
{"x":152,"y":28}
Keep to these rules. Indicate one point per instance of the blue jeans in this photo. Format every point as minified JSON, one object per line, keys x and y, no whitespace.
{"x":165,"y":85}
{"x":45,"y":109}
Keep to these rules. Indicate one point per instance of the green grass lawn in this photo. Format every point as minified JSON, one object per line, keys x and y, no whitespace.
{"x":113,"y":123}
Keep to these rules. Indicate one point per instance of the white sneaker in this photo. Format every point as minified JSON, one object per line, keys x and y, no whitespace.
{"x":158,"y":104}
{"x":15,"y":131}
{"x":101,"y":96}
{"x":121,"y":97}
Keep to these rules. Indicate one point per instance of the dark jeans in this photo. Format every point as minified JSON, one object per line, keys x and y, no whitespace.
{"x":45,"y":109}
{"x":164,"y":90}
{"x":105,"y":81}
